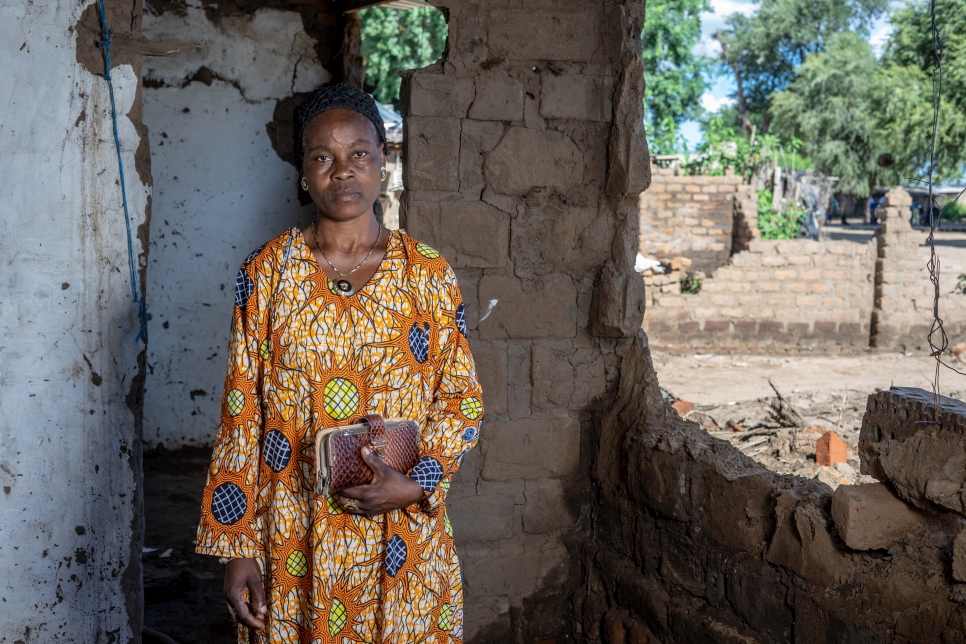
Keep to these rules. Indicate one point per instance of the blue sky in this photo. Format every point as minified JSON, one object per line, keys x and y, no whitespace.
{"x":718,"y":94}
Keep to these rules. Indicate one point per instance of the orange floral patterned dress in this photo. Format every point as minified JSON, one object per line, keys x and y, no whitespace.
{"x":303,"y":357}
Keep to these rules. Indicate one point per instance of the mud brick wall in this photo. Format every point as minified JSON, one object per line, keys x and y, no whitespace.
{"x":775,"y":294}
{"x":692,"y":541}
{"x":695,"y":217}
{"x":903,"y":311}
{"x":525,"y":158}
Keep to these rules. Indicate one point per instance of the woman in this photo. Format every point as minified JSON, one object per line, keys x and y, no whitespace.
{"x":333,"y":322}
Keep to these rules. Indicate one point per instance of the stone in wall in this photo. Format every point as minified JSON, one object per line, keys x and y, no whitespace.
{"x":696,"y":542}
{"x":917,"y":447}
{"x":525,"y":156}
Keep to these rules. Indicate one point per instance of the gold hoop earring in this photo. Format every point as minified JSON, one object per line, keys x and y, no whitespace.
{"x":383,"y":174}
{"x":305,"y":184}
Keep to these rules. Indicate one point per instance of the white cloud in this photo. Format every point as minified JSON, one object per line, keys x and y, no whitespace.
{"x":713,"y":103}
{"x":879,"y":33}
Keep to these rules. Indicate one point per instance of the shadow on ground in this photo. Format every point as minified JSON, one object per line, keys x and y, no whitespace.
{"x":182,"y":590}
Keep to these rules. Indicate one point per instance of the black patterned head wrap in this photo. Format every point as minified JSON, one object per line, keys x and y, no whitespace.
{"x":328,"y":97}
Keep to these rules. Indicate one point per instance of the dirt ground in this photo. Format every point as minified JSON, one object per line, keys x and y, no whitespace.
{"x":826,"y":392}
{"x":182,"y":590}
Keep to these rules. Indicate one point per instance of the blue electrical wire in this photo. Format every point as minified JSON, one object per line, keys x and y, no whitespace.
{"x":135,"y":284}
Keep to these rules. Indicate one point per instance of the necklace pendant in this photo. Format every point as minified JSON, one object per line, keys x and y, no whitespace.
{"x":345,"y":288}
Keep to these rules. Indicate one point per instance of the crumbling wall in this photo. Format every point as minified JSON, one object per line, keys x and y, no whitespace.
{"x":692,"y":541}
{"x":220,"y":188}
{"x":776,"y":295}
{"x":703,"y":218}
{"x":71,"y":373}
{"x":904,"y":295}
{"x":525,"y":157}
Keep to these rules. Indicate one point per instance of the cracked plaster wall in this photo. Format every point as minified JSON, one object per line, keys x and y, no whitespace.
{"x":220,"y":191}
{"x":70,"y":369}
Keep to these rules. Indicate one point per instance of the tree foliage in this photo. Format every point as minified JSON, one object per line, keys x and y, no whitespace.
{"x":830,"y":107}
{"x":850,"y":108}
{"x":764,"y":50}
{"x":675,"y":76}
{"x":394,"y":41}
{"x":904,"y":98}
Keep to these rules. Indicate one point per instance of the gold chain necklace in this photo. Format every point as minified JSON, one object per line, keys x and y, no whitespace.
{"x":344,"y":285}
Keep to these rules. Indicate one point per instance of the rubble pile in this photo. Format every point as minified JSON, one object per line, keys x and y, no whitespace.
{"x":814,"y":435}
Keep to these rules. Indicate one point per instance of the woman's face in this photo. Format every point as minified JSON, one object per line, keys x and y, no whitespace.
{"x":342,"y":163}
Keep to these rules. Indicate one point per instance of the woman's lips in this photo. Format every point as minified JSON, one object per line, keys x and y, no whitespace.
{"x":345,"y":195}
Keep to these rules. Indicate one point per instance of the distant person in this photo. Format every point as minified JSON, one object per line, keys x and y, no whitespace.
{"x":873,"y":204}
{"x":334,"y":322}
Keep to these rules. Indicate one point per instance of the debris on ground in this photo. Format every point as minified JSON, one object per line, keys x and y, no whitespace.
{"x":814,"y":435}
{"x":831,"y":449}
{"x":682,"y":407}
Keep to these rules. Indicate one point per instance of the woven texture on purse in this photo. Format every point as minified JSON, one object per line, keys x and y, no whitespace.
{"x":396,"y":444}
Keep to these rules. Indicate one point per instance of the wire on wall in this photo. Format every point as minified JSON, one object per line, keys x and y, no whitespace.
{"x":105,"y":44}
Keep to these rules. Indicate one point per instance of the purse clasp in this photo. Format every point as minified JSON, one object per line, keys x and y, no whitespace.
{"x":379,"y":447}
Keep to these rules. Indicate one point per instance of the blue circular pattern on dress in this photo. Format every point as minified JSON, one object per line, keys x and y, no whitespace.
{"x":419,"y":342}
{"x":228,"y":503}
{"x":278,"y":451}
{"x":461,"y":318}
{"x":428,"y":473}
{"x":395,"y":555}
{"x":253,"y":255}
{"x":469,"y":433}
{"x":244,"y":287}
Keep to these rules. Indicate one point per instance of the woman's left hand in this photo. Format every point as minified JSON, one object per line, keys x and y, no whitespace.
{"x":389,"y":490}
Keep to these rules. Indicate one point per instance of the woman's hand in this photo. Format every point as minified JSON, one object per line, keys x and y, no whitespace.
{"x":389,"y":490}
{"x":245,"y":592}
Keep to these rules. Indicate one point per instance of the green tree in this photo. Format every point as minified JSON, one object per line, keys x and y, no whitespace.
{"x":394,"y":41}
{"x":904,"y":91}
{"x":830,"y":106}
{"x":764,"y":50}
{"x":675,"y":77}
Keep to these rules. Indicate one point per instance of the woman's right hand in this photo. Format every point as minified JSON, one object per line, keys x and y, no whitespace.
{"x":245,"y":592}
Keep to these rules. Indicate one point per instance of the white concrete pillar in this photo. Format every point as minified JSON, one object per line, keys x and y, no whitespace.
{"x":70,"y":379}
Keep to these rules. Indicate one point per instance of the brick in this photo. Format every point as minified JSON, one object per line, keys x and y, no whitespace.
{"x":547,"y":309}
{"x":540,"y":35}
{"x":498,"y":97}
{"x":432,"y":149}
{"x":481,"y":518}
{"x":576,"y":96}
{"x":682,"y":407}
{"x":546,"y":508}
{"x":519,"y":162}
{"x":959,"y":557}
{"x":533,"y":448}
{"x":491,"y":367}
{"x":925,"y":462}
{"x":439,"y":95}
{"x":468,"y":234}
{"x":831,"y":449}
{"x":872,"y":517}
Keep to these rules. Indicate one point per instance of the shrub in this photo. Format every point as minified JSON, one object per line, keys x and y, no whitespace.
{"x":785,"y":224}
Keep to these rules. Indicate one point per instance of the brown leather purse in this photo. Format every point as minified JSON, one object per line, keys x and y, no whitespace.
{"x":338,"y":450}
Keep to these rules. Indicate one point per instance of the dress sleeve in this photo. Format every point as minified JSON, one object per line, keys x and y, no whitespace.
{"x":456,"y":411}
{"x":231,"y":520}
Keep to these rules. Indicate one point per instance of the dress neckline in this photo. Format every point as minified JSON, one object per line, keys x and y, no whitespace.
{"x":330,"y":284}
